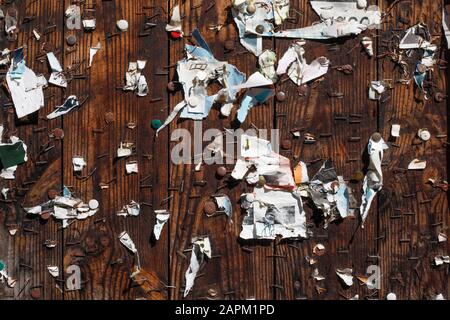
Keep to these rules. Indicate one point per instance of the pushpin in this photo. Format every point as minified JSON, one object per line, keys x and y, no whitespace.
{"x":109,"y":117}
{"x":361,"y":4}
{"x":286,"y":144}
{"x":35,"y":293}
{"x":439,"y":97}
{"x":376,"y":137}
{"x":176,"y":34}
{"x":193,"y":101}
{"x":93,"y":204}
{"x":229,"y":45}
{"x":122,"y":25}
{"x":259,"y":29}
{"x":357,"y":176}
{"x":209,"y":208}
{"x":261,"y":180}
{"x":281,"y":96}
{"x":424,"y":134}
{"x":58,"y":133}
{"x":421,"y":68}
{"x":52,"y":194}
{"x":251,"y":8}
{"x":71,"y":40}
{"x":221,"y":171}
{"x":391,"y":296}
{"x":156,"y":124}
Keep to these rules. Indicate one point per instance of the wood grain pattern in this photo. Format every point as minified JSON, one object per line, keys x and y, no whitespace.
{"x":238,"y":269}
{"x":407,"y":266}
{"x":333,"y":121}
{"x":25,"y":253}
{"x":235,"y":273}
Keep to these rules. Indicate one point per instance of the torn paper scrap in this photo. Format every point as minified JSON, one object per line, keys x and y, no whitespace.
{"x":446,"y":23}
{"x":442,"y":237}
{"x":55,"y":66}
{"x":36,"y":34}
{"x":255,"y":80}
{"x":175,"y":22}
{"x":216,"y":146}
{"x":419,"y":37}
{"x":319,"y":249}
{"x":131,"y":167}
{"x":224,"y":204}
{"x":78,"y":164}
{"x":338,"y":19}
{"x":373,"y":181}
{"x":266,"y":62}
{"x":253,"y":19}
{"x":125,"y":239}
{"x":24,"y":86}
{"x":299,"y":71}
{"x":417,"y":164}
{"x":395,"y":130}
{"x":5,"y":59}
{"x":135,"y":79}
{"x":133,"y":209}
{"x":172,"y":116}
{"x":201,"y":249}
{"x":70,"y":103}
{"x":57,"y":76}
{"x":8,"y":173}
{"x":73,"y":15}
{"x":271,"y":213}
{"x":376,"y":88}
{"x":65,"y":208}
{"x":315,"y":274}
{"x":196,"y":72}
{"x":346,"y":276}
{"x":10,"y":282}
{"x":201,"y":42}
{"x":415,"y":37}
{"x":367,"y":44}
{"x":125,"y":149}
{"x":53,"y":270}
{"x":253,"y":97}
{"x":89,"y":24}
{"x":301,"y":173}
{"x":11,"y":155}
{"x":440,"y":260}
{"x":11,"y":28}
{"x":162,"y":216}
{"x":310,"y":260}
{"x":92,"y":52}
{"x":273,"y":168}
{"x":329,"y":193}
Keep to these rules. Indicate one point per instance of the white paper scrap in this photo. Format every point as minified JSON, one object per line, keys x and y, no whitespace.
{"x":346,"y":276}
{"x":201,"y":249}
{"x":162,"y":216}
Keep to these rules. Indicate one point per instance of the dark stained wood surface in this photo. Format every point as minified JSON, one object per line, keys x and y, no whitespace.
{"x":237,"y":270}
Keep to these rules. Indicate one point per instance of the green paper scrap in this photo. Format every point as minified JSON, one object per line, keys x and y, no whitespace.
{"x":12,"y":154}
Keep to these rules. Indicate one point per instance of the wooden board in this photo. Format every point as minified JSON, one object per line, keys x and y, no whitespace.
{"x":400,"y":234}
